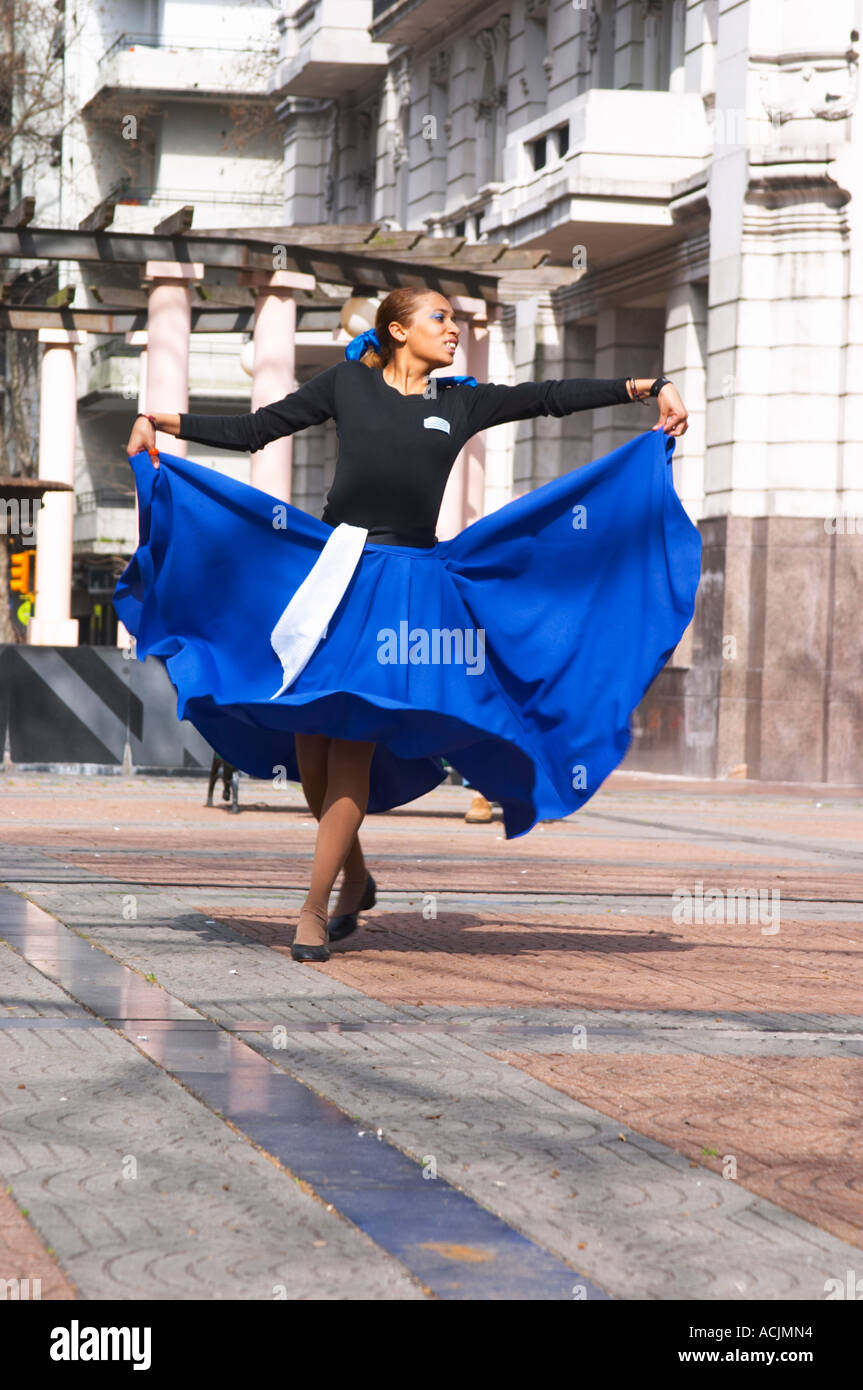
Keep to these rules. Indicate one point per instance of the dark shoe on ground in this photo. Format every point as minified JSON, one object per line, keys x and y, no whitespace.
{"x":312,"y":951}
{"x":346,"y":922}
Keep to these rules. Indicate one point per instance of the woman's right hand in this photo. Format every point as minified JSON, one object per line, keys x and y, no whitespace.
{"x":143,"y":436}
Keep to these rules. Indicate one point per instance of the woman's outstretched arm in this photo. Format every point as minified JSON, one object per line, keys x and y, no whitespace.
{"x":488,"y":404}
{"x":310,"y":404}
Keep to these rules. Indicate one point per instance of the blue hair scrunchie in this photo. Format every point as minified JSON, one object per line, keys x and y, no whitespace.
{"x":358,"y":345}
{"x":361,"y":343}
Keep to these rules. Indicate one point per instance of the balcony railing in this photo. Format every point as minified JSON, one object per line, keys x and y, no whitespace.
{"x":182,"y":67}
{"x":131,"y":41}
{"x":104,"y":497}
{"x":114,"y":348}
{"x":215,"y":372}
{"x":127,"y":192}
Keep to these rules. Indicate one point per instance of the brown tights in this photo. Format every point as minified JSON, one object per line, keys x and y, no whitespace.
{"x":335,"y":777}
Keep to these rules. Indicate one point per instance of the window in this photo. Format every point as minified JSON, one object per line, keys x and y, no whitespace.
{"x":548,"y":147}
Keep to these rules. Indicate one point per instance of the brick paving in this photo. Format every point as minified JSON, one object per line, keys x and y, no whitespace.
{"x":528,"y":1011}
{"x":24,"y":1258}
{"x":790,"y":1126}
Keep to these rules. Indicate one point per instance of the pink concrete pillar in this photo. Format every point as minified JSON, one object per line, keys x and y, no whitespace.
{"x":474,"y":450}
{"x":274,"y":373}
{"x":51,"y":624}
{"x":136,"y":338}
{"x":465,"y":490}
{"x":169,"y":326}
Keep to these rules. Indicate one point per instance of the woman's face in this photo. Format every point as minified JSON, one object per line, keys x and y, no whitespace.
{"x":432,"y":334}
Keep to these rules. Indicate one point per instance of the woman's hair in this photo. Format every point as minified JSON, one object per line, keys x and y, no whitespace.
{"x":399,"y":307}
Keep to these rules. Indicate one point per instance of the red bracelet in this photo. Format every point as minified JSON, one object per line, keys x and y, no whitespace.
{"x":151,"y":418}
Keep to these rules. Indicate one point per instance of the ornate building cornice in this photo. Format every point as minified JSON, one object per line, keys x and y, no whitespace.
{"x":493,"y":37}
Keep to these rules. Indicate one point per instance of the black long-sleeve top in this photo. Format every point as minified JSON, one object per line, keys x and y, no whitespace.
{"x":395,"y":451}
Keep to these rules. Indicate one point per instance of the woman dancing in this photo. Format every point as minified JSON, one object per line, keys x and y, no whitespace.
{"x":559,"y":608}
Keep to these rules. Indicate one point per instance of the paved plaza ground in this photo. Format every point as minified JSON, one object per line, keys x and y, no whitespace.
{"x":553,"y":1067}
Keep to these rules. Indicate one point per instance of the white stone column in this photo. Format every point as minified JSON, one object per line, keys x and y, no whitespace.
{"x":52,"y":625}
{"x":629,"y":342}
{"x":135,"y":338}
{"x":169,"y":326}
{"x":677,"y":73}
{"x":651,"y":41}
{"x":849,"y":166}
{"x":499,"y":460}
{"x":685,"y":361}
{"x":274,"y":374}
{"x":576,"y":430}
{"x":628,"y":45}
{"x":465,"y":490}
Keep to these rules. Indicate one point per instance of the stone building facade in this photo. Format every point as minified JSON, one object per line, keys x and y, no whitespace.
{"x":703,"y":161}
{"x":698,"y":163}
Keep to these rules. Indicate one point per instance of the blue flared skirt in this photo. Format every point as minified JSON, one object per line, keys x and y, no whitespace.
{"x":569,"y":600}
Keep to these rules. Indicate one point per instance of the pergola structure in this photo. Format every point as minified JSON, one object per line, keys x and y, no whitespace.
{"x":158,"y":288}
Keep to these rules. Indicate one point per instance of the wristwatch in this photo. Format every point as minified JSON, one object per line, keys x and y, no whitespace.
{"x":658,"y":385}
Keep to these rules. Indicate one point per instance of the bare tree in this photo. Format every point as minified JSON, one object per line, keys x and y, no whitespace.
{"x":32,"y":38}
{"x":32,"y":44}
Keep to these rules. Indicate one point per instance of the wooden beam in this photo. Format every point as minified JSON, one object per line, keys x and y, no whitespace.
{"x":224,"y":296}
{"x":341,"y":236}
{"x":178,"y":223}
{"x":100,"y":218}
{"x":118,"y":297}
{"x":14,"y":319}
{"x":240,"y":251}
{"x":21,"y":214}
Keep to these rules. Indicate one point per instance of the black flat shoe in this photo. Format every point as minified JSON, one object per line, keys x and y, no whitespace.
{"x":346,"y":922}
{"x":307,"y":953}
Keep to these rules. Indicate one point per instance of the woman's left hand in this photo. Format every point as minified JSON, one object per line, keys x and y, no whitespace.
{"x":672,"y":412}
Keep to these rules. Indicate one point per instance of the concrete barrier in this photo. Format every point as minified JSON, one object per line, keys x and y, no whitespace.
{"x":93,"y":708}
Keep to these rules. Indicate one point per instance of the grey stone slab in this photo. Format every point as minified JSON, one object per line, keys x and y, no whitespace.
{"x":206,"y":1216}
{"x":651,"y":1226}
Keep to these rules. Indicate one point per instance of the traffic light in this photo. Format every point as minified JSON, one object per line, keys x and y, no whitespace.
{"x":21,"y":572}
